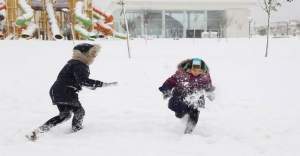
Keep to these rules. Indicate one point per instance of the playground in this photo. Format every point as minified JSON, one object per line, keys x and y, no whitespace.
{"x":55,"y":20}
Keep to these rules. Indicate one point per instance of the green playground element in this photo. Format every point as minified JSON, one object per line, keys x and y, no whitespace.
{"x":84,"y":33}
{"x":84,"y":20}
{"x":119,"y":35}
{"x":23,"y":21}
{"x":96,"y":16}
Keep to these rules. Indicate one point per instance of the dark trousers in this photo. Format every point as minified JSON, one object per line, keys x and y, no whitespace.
{"x":65,"y":112}
{"x":181,"y":109}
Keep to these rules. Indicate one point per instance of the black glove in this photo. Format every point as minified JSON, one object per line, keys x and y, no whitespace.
{"x":103,"y":84}
{"x":167,"y":94}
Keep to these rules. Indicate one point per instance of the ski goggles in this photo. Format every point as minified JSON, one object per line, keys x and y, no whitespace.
{"x":197,"y":63}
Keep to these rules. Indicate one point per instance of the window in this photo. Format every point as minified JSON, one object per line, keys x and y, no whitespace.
{"x":216,"y":20}
{"x":153,"y":23}
{"x":134,"y":20}
{"x":196,"y":20}
{"x":174,"y":24}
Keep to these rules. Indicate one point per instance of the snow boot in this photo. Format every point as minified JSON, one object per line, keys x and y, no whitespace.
{"x":192,"y":121}
{"x":34,"y":135}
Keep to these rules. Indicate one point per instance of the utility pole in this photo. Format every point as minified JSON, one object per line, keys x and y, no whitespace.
{"x":249,"y":21}
{"x":122,"y":3}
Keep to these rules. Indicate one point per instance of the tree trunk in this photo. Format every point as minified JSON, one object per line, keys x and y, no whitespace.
{"x":268,"y":33}
{"x":127,"y":28}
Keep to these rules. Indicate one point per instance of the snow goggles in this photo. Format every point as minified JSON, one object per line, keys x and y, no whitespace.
{"x":196,"y":63}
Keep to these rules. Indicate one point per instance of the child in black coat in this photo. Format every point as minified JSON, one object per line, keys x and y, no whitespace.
{"x":64,"y":91}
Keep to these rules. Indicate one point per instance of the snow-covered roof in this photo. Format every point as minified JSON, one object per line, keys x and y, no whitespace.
{"x":184,"y":4}
{"x":190,"y":1}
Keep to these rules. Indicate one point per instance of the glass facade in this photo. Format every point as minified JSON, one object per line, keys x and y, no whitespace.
{"x":134,"y":20}
{"x":216,"y":21}
{"x":171,"y":23}
{"x":197,"y":23}
{"x":174,"y":25}
{"x":197,"y":20}
{"x":153,"y":23}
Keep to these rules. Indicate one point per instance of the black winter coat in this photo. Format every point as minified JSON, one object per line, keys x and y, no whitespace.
{"x":69,"y":82}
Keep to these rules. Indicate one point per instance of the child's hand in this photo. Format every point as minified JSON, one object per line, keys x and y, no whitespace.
{"x":107,"y":84}
{"x":210,"y":96}
{"x":167,"y":94}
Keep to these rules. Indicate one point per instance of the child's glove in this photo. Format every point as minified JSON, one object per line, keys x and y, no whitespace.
{"x":210,"y":96}
{"x":107,"y":84}
{"x":196,"y":104}
{"x":167,"y":94}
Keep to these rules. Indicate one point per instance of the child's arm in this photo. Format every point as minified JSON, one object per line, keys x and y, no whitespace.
{"x":208,"y":85}
{"x":167,"y":87}
{"x":81,"y":75}
{"x":209,"y":89}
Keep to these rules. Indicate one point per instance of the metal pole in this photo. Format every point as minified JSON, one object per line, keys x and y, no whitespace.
{"x":69,"y":19}
{"x":249,"y":22}
{"x":249,"y":30}
{"x":268,"y":33}
{"x":126,"y":25}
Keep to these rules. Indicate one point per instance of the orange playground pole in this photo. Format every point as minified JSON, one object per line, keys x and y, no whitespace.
{"x":108,"y":17}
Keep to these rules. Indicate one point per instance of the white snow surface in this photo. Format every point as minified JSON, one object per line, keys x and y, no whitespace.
{"x":255,"y":113}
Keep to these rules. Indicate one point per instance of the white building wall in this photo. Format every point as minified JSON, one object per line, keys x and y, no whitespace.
{"x":237,"y":12}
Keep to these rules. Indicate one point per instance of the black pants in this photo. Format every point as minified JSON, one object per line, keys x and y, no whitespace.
{"x":181,"y":109}
{"x":64,"y":115}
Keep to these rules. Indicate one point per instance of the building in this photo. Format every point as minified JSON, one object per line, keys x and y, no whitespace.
{"x":279,"y":29}
{"x":285,"y":28}
{"x":184,"y":18}
{"x":294,"y":27}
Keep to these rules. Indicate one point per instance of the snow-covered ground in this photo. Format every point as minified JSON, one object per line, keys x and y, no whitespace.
{"x":255,"y":113}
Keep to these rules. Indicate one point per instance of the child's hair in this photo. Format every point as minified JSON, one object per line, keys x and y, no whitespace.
{"x":188,"y":64}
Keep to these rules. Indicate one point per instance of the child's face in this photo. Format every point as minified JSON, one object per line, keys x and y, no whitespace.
{"x":196,"y":71}
{"x":92,"y":55}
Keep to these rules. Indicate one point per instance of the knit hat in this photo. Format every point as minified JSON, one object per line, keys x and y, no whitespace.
{"x":85,"y":47}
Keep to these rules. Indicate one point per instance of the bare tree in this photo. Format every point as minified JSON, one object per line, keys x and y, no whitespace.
{"x":224,"y":23}
{"x":270,"y":6}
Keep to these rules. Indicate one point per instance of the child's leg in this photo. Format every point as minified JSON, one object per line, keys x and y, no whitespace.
{"x":194,"y":115}
{"x":180,"y":108}
{"x":77,"y":118}
{"x":64,"y":115}
{"x":192,"y":120}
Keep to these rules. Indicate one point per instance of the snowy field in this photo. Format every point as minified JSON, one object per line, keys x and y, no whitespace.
{"x":256,"y":111}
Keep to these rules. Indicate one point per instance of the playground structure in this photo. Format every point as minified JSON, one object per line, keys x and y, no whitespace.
{"x":55,"y":20}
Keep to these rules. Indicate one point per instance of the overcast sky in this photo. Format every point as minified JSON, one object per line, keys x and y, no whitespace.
{"x":286,"y":12}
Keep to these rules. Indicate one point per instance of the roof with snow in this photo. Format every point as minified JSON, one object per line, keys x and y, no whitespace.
{"x":190,"y":1}
{"x":185,"y":4}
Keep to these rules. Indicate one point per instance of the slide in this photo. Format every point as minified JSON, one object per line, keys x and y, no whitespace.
{"x":84,"y":33}
{"x":52,"y":21}
{"x":106,"y":26}
{"x":24,"y":19}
